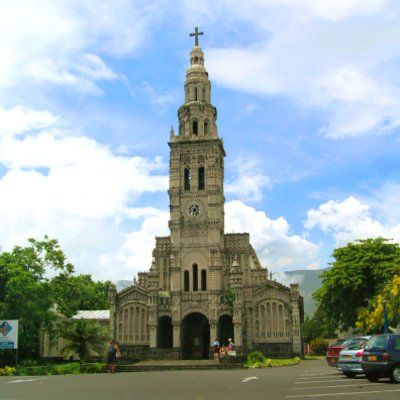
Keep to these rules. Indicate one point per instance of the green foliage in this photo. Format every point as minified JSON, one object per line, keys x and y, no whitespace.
{"x":27,"y":294}
{"x":371,"y":318}
{"x":7,"y":371}
{"x":72,"y":293}
{"x":83,"y":337}
{"x":320,"y":325}
{"x":60,"y":369}
{"x":360,"y":271}
{"x":256,"y":359}
{"x":229,"y":297}
{"x":319,"y":346}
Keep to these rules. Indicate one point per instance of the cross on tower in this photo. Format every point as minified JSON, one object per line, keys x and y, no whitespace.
{"x":196,"y":35}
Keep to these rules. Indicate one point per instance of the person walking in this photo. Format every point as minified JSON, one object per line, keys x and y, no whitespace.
{"x":216,"y":349}
{"x":111,"y":354}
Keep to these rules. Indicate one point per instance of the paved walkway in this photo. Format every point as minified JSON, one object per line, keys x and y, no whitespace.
{"x":177,"y":363}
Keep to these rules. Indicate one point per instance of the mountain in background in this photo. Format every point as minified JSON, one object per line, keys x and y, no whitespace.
{"x":121,"y":285}
{"x":309,"y":281}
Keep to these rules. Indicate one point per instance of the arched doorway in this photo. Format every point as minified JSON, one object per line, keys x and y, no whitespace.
{"x":225,"y":329}
{"x":195,"y":337}
{"x":164,"y":333}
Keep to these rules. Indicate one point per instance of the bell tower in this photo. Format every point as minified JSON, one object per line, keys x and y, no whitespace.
{"x":196,"y":186}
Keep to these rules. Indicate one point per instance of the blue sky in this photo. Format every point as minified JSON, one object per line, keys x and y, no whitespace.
{"x":308,"y":98}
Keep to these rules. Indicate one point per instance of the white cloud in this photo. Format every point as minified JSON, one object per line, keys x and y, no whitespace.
{"x":158,"y":99}
{"x":81,"y":192}
{"x":64,"y":43}
{"x":336,"y":56}
{"x":72,"y":188}
{"x":20,"y":119}
{"x":349,"y":220}
{"x":250,"y":181}
{"x":272,"y":239}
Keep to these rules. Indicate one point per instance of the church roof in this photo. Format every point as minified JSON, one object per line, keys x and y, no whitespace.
{"x":92,"y":314}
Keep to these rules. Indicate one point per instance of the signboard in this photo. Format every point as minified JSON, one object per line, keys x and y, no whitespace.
{"x":9,"y":334}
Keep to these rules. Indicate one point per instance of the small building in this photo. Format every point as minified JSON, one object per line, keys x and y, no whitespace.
{"x":52,"y":347}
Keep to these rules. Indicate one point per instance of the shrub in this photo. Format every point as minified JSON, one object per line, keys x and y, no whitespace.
{"x":255,"y":359}
{"x":92,"y":368}
{"x":7,"y":371}
{"x":319,"y":346}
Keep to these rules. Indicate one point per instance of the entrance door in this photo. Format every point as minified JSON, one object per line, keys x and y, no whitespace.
{"x":195,"y":337}
{"x":225,"y":329}
{"x":164,"y":334}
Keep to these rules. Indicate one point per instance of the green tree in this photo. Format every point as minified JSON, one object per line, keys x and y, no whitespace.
{"x":28,"y":294}
{"x":83,"y":337}
{"x":24,"y":293}
{"x":79,"y":292}
{"x":371,"y":318}
{"x":360,"y":271}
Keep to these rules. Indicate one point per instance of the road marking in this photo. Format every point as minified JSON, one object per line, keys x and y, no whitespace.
{"x":341,"y":394}
{"x":333,"y":386}
{"x":250,"y":378}
{"x":318,"y":376}
{"x":330,"y":380}
{"x":26,"y":380}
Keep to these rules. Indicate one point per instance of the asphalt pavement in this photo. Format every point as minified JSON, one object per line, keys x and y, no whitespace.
{"x":308,"y":380}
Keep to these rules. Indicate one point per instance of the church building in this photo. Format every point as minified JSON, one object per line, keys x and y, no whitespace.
{"x":203,"y":284}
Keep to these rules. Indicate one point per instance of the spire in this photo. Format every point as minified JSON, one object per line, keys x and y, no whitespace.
{"x":197,"y":116}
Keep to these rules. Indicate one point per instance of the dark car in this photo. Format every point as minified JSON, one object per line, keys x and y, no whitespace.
{"x":381,"y":358}
{"x":332,"y":354}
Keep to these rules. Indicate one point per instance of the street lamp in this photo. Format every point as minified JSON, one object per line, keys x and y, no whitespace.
{"x":385,"y":316}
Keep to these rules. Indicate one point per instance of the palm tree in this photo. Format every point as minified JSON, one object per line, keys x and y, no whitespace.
{"x":83,"y":337}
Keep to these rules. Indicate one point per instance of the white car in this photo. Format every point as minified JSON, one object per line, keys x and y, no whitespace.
{"x":350,"y":358}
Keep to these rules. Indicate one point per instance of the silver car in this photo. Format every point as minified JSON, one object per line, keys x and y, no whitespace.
{"x":350,"y":358}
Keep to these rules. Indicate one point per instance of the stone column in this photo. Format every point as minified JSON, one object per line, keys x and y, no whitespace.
{"x":213,"y":331}
{"x":176,"y":335}
{"x":153,"y":335}
{"x":295,"y":300}
{"x":112,"y":301}
{"x":238,"y":333}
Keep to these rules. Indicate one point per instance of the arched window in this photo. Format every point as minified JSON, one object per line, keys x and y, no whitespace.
{"x":195,"y":127}
{"x":187,"y":179}
{"x":195,"y":269}
{"x":195,"y":94}
{"x":186,"y":281}
{"x":201,"y":178}
{"x":205,"y":128}
{"x":204,"y":93}
{"x":203,"y":279}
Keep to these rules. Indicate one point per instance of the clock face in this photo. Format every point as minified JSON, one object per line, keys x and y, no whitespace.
{"x":194,"y":209}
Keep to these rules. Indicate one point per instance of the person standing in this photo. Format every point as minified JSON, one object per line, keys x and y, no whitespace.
{"x":216,"y":349}
{"x":111,"y":354}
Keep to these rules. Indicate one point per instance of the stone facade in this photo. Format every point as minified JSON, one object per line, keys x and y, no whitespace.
{"x":203,"y":283}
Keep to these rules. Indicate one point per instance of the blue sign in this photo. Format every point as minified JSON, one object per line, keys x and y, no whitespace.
{"x":9,"y":334}
{"x":6,"y":345}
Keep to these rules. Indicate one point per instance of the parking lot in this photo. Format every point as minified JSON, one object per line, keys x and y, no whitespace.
{"x":308,"y":380}
{"x":317,"y":380}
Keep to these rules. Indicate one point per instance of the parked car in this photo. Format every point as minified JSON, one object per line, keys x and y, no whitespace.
{"x":350,"y":358}
{"x":332,"y":354}
{"x":381,"y":358}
